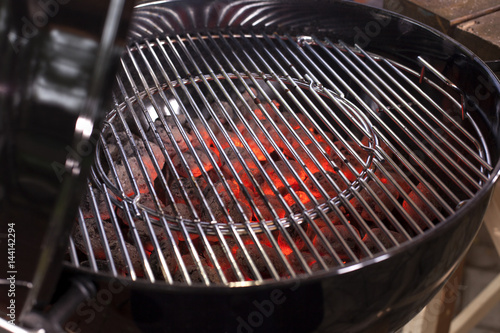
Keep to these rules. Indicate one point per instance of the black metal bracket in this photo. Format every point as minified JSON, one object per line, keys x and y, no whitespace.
{"x":52,"y":320}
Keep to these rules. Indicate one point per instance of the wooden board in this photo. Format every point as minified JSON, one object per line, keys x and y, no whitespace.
{"x":444,"y":14}
{"x":481,"y":36}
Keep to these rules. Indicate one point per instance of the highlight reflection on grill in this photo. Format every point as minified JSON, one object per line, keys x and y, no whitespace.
{"x":237,"y":176}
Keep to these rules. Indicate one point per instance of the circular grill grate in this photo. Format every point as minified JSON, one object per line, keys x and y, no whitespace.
{"x":230,"y":158}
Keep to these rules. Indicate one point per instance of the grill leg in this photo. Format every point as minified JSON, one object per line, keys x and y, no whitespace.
{"x":490,"y":296}
{"x":437,"y":315}
{"x":53,"y":320}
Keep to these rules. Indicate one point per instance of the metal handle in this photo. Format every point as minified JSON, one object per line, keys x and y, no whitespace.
{"x":56,"y":68}
{"x":494,"y":65}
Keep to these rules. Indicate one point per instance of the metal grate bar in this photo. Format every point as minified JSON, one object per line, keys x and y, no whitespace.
{"x":73,"y":255}
{"x":86,"y":242}
{"x":100,"y":227}
{"x":138,"y":244}
{"x":162,"y":261}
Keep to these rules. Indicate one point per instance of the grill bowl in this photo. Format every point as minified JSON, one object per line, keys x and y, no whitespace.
{"x":373,"y":294}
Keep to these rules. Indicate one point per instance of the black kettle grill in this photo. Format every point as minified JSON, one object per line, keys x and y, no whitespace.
{"x":249,"y":166}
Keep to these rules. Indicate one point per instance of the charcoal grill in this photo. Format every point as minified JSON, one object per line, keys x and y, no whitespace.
{"x":265,"y":170}
{"x":454,"y":162}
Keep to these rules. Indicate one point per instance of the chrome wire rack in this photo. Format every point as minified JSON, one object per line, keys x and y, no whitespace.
{"x":237,"y":159}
